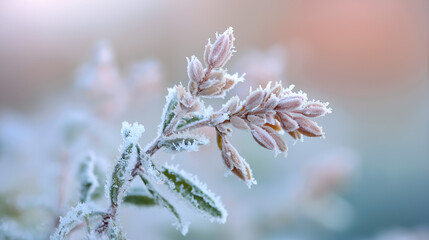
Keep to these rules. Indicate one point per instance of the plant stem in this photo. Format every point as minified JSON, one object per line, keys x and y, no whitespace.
{"x":150,"y":150}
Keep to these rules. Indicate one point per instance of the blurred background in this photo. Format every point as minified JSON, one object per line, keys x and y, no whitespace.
{"x":72,"y":71}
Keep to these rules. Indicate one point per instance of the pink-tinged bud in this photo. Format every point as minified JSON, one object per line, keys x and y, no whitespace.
{"x":314,"y":109}
{"x":195,"y":70}
{"x":207,"y":52}
{"x":257,"y":120}
{"x":217,"y":75}
{"x":290,"y":103}
{"x":235,"y":163}
{"x":221,"y":50}
{"x":192,"y":87}
{"x":263,"y":138}
{"x":288,"y":124}
{"x":254,"y":99}
{"x":281,"y":144}
{"x":308,"y":127}
{"x":295,"y":135}
{"x":270,"y":117}
{"x":210,"y":92}
{"x":224,"y":129}
{"x":277,"y":90}
{"x":239,"y":123}
{"x":232,"y":106}
{"x":271,"y":103}
{"x":187,"y":102}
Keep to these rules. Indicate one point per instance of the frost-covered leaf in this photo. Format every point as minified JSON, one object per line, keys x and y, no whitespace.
{"x":184,"y":142}
{"x":139,"y":197}
{"x":194,"y":192}
{"x":88,"y":180}
{"x":188,"y":120}
{"x":115,"y":232}
{"x":160,"y":200}
{"x":149,"y":167}
{"x":123,"y":167}
{"x":168,"y":112}
{"x":72,"y":218}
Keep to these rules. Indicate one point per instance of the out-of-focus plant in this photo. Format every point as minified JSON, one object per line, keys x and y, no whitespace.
{"x":266,"y":113}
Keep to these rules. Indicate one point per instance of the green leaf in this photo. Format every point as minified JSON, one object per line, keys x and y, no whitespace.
{"x":160,"y":200}
{"x":119,"y":175}
{"x":70,"y":221}
{"x":87,"y":178}
{"x":139,"y":197}
{"x":188,"y":120}
{"x":184,"y":142}
{"x":115,"y":232}
{"x":195,"y":193}
{"x":171,"y":104}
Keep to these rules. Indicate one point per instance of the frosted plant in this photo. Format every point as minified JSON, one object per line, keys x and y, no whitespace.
{"x":266,"y":113}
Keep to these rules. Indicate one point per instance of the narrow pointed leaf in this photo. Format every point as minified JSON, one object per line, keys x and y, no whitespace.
{"x":184,"y":142}
{"x":168,"y":112}
{"x":87,"y":178}
{"x":70,"y":221}
{"x":188,"y":120}
{"x":119,"y":175}
{"x":160,"y":200}
{"x":139,"y":197}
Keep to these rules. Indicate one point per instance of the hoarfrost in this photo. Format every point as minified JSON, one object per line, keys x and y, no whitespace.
{"x":70,"y":221}
{"x":88,"y":180}
{"x":184,"y":141}
{"x":191,"y":189}
{"x":168,"y":111}
{"x":181,"y":225}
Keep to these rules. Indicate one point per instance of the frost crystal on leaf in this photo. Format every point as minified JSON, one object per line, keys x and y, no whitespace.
{"x":181,"y":225}
{"x":72,"y":218}
{"x":128,"y":156}
{"x":184,"y":142}
{"x":168,"y":111}
{"x":88,"y":180}
{"x":195,"y":193}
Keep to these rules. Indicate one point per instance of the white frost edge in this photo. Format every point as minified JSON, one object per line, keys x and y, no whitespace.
{"x":203,"y":187}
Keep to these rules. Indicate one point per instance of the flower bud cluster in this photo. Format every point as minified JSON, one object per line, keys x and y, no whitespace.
{"x":267,"y":113}
{"x":213,"y":81}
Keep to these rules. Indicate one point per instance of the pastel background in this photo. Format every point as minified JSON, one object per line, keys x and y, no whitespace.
{"x":369,"y":179}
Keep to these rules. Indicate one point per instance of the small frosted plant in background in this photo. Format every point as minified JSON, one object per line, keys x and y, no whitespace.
{"x":266,"y":113}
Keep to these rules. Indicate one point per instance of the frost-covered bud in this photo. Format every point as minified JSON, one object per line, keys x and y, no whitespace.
{"x":235,"y":163}
{"x":281,"y":144}
{"x":263,"y":138}
{"x":239,"y":123}
{"x":232,"y":106}
{"x":288,"y":124}
{"x":308,"y":127}
{"x":187,"y":102}
{"x":195,"y":70}
{"x":257,"y":119}
{"x":271,"y":102}
{"x":221,"y":50}
{"x":231,"y":81}
{"x":207,"y":52}
{"x":254,"y":99}
{"x":270,"y":117}
{"x":314,"y":109}
{"x":290,"y":103}
{"x":277,"y":89}
{"x":224,"y":129}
